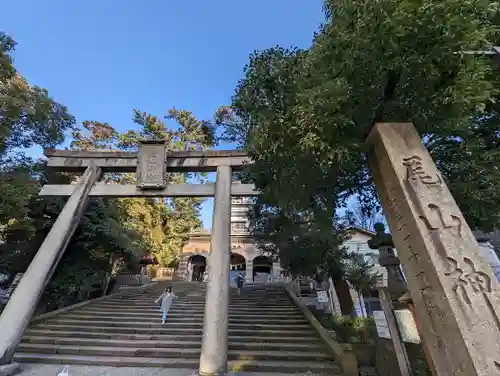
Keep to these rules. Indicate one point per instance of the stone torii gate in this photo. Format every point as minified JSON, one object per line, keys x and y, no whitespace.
{"x":151,"y":163}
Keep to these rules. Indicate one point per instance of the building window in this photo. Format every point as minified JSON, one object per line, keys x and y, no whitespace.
{"x":238,"y":226}
{"x":237,"y":200}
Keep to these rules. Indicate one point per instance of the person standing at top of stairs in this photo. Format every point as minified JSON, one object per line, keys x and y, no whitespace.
{"x":239,"y":282}
{"x":166,"y":302}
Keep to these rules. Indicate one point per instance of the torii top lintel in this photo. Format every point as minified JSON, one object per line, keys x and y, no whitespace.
{"x":120,"y":161}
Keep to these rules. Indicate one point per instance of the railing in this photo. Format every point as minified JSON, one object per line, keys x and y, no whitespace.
{"x":132,"y":280}
{"x":302,"y":289}
{"x":165,"y":273}
{"x":346,"y":359}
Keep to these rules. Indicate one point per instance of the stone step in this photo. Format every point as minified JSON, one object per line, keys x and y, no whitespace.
{"x":187,"y":311}
{"x":245,"y":293}
{"x":156,"y":352}
{"x":233,"y":290}
{"x":308,"y":339}
{"x":152,"y":319}
{"x":176,"y":329}
{"x":152,"y":324}
{"x":152,"y":299}
{"x":267,"y":333}
{"x":295,"y":316}
{"x":262,"y":344}
{"x":243,"y":365}
{"x":197,"y":303}
{"x":152,"y":305}
{"x":194,"y":295}
{"x":200,"y":299}
{"x":191,"y":308}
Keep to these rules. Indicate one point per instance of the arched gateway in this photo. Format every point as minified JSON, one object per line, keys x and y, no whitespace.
{"x":456,"y":295}
{"x":197,"y":265}
{"x":262,"y":269}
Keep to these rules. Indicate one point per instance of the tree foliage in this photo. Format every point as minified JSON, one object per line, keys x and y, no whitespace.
{"x":162,"y":223}
{"x":303,"y":115}
{"x":113,"y":233}
{"x":363,"y":216}
{"x":28,"y":116}
{"x":305,"y":243}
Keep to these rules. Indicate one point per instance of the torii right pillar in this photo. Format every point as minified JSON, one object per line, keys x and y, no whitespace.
{"x":456,"y":295}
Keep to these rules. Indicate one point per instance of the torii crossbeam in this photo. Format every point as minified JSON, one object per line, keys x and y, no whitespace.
{"x":151,"y":164}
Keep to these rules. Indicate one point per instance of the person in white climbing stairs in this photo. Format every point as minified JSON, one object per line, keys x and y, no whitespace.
{"x":166,"y":299}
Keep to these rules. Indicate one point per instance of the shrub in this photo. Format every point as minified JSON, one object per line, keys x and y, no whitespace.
{"x":352,"y":330}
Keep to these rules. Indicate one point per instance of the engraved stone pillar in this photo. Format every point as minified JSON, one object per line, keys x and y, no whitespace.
{"x":213,"y":358}
{"x":456,"y":295}
{"x":19,"y":310}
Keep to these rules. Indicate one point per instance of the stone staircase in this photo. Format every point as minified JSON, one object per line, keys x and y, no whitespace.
{"x":266,"y":333}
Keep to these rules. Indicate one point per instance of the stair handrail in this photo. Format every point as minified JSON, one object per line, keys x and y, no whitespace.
{"x":346,"y":359}
{"x":293,"y":286}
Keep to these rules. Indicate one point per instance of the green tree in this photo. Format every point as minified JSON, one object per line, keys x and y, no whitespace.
{"x":28,"y":116}
{"x":362,"y":215}
{"x":113,"y":233}
{"x":304,"y":114}
{"x":304,"y":245}
{"x":162,"y":223}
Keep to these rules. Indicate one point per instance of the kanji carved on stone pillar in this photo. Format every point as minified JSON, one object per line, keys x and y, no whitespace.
{"x":456,"y":295}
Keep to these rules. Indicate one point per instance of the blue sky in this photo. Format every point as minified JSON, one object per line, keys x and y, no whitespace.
{"x":104,"y":58}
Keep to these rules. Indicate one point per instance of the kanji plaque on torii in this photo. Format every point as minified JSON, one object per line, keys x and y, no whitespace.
{"x":151,"y":165}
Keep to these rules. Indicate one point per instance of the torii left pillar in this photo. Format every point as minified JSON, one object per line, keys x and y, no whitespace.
{"x":23,"y":302}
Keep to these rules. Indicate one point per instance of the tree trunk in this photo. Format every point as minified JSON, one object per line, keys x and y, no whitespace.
{"x":345,"y":300}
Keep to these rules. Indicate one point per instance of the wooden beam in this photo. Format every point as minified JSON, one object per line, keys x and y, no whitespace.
{"x":130,"y":190}
{"x":119,"y":161}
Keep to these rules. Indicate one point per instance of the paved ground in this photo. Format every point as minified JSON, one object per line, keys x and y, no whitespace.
{"x":53,"y":370}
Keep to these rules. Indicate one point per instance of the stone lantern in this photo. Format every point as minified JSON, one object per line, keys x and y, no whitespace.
{"x":392,"y":276}
{"x":390,"y":360}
